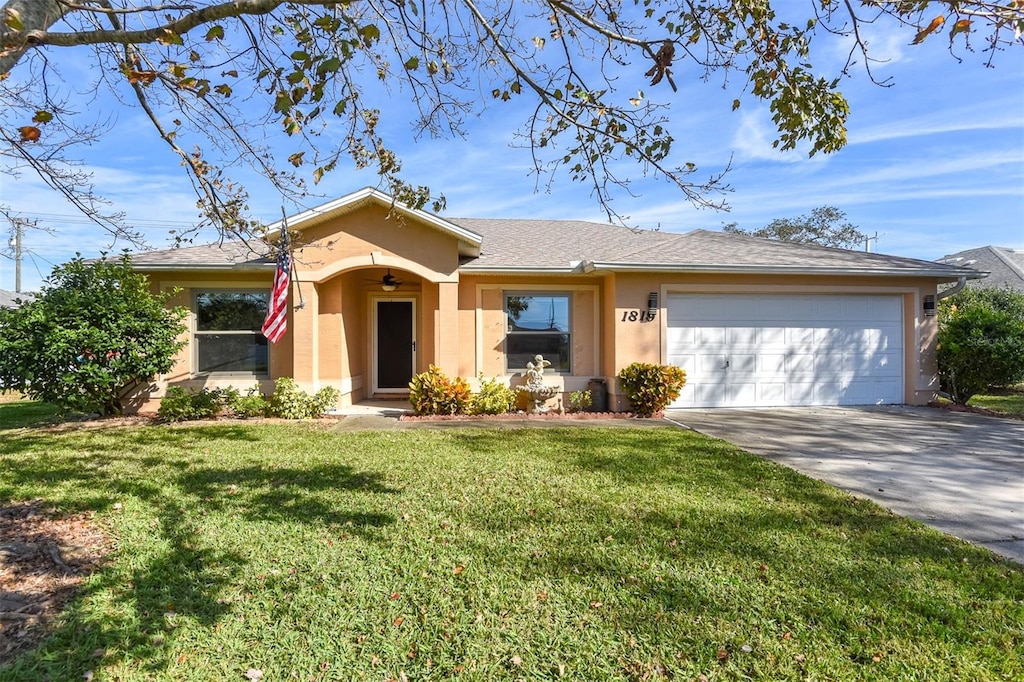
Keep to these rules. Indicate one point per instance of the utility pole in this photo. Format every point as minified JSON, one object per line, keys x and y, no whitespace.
{"x":868,"y":240}
{"x":16,"y":243}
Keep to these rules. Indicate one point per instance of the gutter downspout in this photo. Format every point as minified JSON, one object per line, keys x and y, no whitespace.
{"x":955,"y":289}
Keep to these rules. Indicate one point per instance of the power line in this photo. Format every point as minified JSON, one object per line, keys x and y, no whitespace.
{"x":72,"y":219}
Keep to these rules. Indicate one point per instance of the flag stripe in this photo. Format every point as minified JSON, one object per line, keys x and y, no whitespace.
{"x":276,"y":322}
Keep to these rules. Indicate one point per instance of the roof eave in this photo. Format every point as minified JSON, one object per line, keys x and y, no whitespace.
{"x":206,"y":266}
{"x":780,"y":270}
{"x":572,"y":269}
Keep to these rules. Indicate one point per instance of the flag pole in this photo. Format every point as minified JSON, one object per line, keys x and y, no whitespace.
{"x":286,"y":244}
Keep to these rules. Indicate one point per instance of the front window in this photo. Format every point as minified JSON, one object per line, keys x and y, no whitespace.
{"x":537,"y":324}
{"x":228,"y":337}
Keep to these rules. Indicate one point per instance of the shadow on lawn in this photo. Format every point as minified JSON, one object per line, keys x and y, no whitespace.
{"x":128,"y":611}
{"x":287,"y":494}
{"x":719,"y":514}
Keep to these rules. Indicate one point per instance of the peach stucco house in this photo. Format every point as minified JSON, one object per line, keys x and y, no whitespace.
{"x":753,"y":322}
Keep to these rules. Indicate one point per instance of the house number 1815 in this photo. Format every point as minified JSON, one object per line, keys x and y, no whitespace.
{"x":638,"y":315}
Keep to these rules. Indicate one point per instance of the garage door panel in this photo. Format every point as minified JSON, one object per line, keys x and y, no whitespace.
{"x":884,"y":364}
{"x":800,"y":337}
{"x":800,"y":363}
{"x":771,"y":364}
{"x":742,"y":336}
{"x":751,"y":350}
{"x":745,"y":363}
{"x":710,"y":394}
{"x":687,"y":396}
{"x":771,"y":393}
{"x":710,"y":335}
{"x":686,"y":361}
{"x":742,"y":393}
{"x":681,"y":336}
{"x":798,"y":393}
{"x":711,"y":363}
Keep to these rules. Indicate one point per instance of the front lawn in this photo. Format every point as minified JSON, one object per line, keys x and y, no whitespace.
{"x":579,"y":554}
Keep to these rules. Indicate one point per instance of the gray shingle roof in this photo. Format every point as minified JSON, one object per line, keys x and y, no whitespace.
{"x":579,"y":246}
{"x":1005,"y":266}
{"x":511,"y":243}
{"x":233,"y":254}
{"x":725,"y":251}
{"x":8,"y":299}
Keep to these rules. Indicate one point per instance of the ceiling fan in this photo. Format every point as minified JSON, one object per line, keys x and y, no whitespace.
{"x":388,"y":282}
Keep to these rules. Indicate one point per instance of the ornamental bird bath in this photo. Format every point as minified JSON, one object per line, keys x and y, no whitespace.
{"x":534,"y":387}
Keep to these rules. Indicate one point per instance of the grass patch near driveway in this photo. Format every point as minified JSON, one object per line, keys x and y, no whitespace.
{"x":475,"y":554}
{"x":1005,"y":401}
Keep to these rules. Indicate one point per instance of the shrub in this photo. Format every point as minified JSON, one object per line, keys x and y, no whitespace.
{"x":650,"y":387}
{"x":494,"y":398}
{"x":181,"y":404}
{"x":252,"y":404}
{"x":290,"y":402}
{"x":432,"y":392}
{"x":580,"y":401}
{"x":323,"y":400}
{"x":94,"y":336}
{"x":981,"y":341}
{"x":176,"y":405}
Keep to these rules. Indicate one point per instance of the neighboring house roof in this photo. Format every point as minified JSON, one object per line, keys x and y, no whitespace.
{"x":1005,"y":267}
{"x":489,"y":245}
{"x":8,"y":299}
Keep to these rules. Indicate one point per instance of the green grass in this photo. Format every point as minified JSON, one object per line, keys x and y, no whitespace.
{"x":473,"y":554}
{"x":17,"y":413}
{"x":1005,"y":401}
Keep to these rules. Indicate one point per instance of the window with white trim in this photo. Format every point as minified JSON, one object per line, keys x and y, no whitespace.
{"x":538,"y":324}
{"x":228,"y":337}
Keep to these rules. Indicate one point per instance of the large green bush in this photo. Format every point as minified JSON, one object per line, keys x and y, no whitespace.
{"x":95,"y":335}
{"x":981,"y":341}
{"x":650,"y":387}
{"x":433,"y":393}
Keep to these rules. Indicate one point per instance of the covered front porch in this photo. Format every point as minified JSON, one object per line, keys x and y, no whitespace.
{"x":366,"y":326}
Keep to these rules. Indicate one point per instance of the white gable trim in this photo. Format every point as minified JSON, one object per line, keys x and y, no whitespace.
{"x":469,"y":242}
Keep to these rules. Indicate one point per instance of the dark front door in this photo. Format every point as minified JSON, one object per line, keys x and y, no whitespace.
{"x":395,"y":349}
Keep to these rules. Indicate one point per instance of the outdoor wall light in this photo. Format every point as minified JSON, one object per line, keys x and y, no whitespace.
{"x":652,"y":303}
{"x":929,"y":306}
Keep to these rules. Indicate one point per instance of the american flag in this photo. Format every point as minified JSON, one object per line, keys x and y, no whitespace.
{"x":276,"y":322}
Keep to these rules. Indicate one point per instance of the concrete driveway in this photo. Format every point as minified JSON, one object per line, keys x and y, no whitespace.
{"x":960,"y":473}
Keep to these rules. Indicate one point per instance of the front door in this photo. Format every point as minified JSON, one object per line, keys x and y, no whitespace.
{"x":394,"y":345}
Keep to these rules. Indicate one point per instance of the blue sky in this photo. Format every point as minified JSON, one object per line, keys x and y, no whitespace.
{"x":934,"y":165}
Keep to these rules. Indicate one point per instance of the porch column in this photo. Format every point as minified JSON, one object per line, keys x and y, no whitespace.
{"x":446,"y":328}
{"x":305,"y":336}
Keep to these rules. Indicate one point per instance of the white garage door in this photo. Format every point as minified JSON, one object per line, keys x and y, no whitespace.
{"x":743,"y":350}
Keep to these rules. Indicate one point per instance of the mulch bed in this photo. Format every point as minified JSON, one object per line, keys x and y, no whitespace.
{"x":44,"y":557}
{"x":951,"y":407}
{"x":518,"y":416}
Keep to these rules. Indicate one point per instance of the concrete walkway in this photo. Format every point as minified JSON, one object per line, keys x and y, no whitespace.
{"x":960,"y":473}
